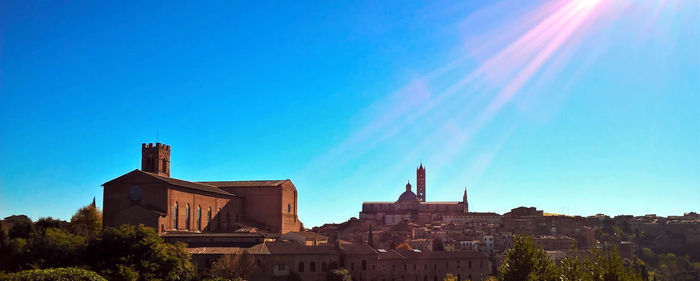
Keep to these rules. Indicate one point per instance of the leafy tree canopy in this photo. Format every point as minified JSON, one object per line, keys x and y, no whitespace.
{"x":53,"y":274}
{"x":526,"y":261}
{"x":340,"y":274}
{"x":138,"y":253}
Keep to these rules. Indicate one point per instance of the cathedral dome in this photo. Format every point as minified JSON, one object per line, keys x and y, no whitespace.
{"x":408,"y":196}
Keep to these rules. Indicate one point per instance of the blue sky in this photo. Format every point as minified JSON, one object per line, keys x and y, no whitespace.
{"x":577,"y":107}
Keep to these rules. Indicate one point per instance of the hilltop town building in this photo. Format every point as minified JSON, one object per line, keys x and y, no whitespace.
{"x":176,"y":207}
{"x":415,"y":208}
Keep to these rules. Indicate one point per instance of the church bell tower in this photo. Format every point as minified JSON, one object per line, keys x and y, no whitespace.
{"x":155,"y":158}
{"x":420,"y":183}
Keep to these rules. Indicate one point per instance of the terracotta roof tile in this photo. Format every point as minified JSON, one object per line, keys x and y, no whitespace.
{"x":290,"y":248}
{"x":177,"y":182}
{"x":213,"y":250}
{"x":255,"y":183}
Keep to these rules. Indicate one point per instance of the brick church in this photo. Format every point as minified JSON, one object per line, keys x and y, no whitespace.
{"x":413,"y":207}
{"x":151,"y":197}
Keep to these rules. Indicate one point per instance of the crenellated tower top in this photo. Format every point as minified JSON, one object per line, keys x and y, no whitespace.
{"x":155,"y":158}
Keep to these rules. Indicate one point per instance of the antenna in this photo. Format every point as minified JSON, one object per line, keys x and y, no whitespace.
{"x":156,"y":134}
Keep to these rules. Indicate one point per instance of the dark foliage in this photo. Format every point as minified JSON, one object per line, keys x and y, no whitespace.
{"x":138,"y":253}
{"x":53,"y":274}
{"x":340,"y":274}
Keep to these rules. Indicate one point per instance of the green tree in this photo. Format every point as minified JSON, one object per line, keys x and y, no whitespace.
{"x":677,"y":268}
{"x":5,"y":252}
{"x":53,"y":274}
{"x":231,"y":266}
{"x":450,"y":277}
{"x":340,"y":274}
{"x":574,"y":268}
{"x":44,"y":223}
{"x":138,"y":253}
{"x":526,"y":261}
{"x":21,"y":229}
{"x":87,"y":221}
{"x":54,"y":247}
{"x":609,"y":266}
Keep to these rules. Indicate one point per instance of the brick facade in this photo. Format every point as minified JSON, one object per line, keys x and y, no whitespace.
{"x":152,"y":198}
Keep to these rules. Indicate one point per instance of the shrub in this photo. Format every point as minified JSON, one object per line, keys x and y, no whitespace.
{"x":53,"y":274}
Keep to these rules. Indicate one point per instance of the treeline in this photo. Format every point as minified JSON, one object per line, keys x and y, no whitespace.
{"x":670,"y":266}
{"x":82,"y":250}
{"x":682,"y":264}
{"x":526,"y":261}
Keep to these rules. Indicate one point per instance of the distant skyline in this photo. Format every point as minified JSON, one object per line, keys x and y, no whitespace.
{"x":575,"y":107}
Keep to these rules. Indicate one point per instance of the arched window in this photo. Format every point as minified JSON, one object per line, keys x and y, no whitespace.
{"x":364,"y":265}
{"x":312,"y":267}
{"x":199,"y":218}
{"x":301,"y":266}
{"x":289,"y":208}
{"x":208,"y":216}
{"x":164,"y":165}
{"x":187,"y":217}
{"x":323,"y":267}
{"x":218,"y":221}
{"x":470,"y":264}
{"x":175,"y":214}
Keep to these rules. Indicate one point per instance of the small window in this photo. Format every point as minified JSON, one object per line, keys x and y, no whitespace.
{"x":280,"y":267}
{"x":208,"y":216}
{"x":324,"y":268}
{"x":289,"y":208}
{"x":199,"y":218}
{"x":312,"y":267}
{"x":218,"y":221}
{"x":301,"y":266}
{"x":187,"y":217}
{"x":364,"y":265}
{"x":175,"y":214}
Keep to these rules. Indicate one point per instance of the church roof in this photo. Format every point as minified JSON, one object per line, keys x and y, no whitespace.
{"x":213,"y":250}
{"x":251,"y":183}
{"x":290,"y":248}
{"x":177,"y":182}
{"x":408,"y":196}
{"x":358,"y":249}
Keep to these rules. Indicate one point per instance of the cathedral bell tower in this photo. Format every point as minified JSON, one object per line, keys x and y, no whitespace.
{"x":420,"y":183}
{"x":155,"y":158}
